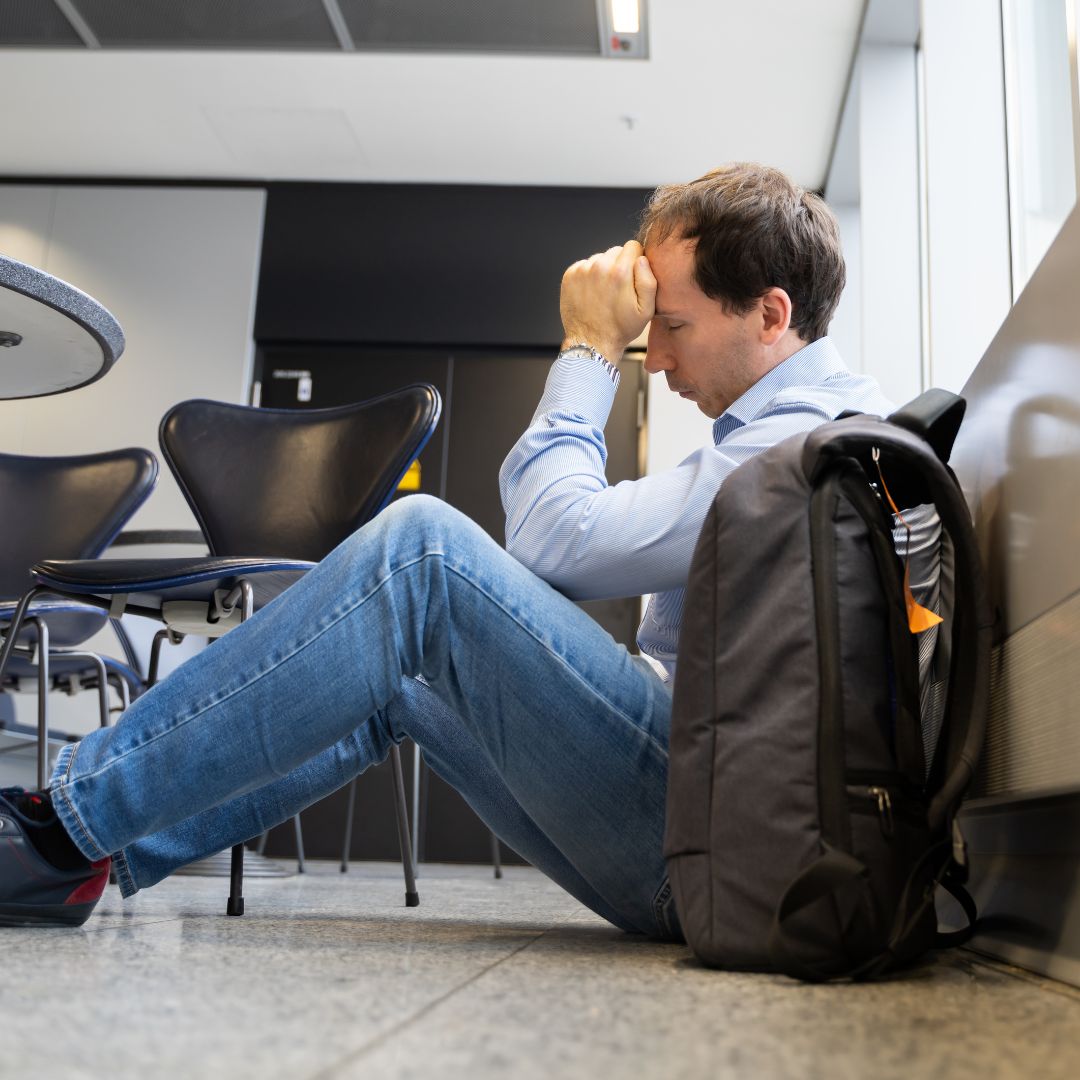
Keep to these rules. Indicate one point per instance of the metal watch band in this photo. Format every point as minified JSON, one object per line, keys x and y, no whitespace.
{"x":584,"y":351}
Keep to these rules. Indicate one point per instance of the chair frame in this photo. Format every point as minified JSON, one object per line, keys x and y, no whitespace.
{"x":232,"y":582}
{"x":130,"y":498}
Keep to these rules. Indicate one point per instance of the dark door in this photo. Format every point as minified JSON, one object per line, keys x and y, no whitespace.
{"x":488,"y":399}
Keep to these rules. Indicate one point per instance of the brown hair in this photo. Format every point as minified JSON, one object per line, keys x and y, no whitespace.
{"x":755,"y":229}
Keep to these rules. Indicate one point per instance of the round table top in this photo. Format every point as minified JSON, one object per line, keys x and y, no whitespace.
{"x":53,"y":337}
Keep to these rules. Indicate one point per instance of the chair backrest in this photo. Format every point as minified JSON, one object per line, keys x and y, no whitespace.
{"x":294,"y":483}
{"x":66,"y":507}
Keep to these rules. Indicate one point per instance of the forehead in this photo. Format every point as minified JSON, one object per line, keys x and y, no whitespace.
{"x":672,"y":263}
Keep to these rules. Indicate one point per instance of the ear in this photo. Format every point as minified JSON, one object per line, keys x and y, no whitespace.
{"x":775,"y":315}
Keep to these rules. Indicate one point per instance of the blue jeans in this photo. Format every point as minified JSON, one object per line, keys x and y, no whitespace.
{"x":555,"y":735}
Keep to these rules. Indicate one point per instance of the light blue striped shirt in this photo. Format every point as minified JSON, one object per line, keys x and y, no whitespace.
{"x":592,"y":540}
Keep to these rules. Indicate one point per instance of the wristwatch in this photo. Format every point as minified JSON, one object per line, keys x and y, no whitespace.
{"x":583,"y":351}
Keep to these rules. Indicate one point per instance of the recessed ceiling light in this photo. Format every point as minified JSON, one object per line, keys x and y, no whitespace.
{"x":624,"y":16}
{"x":623,"y":28}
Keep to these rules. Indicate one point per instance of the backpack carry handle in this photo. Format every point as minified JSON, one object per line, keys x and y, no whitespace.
{"x":968,"y":692}
{"x":935,"y":416}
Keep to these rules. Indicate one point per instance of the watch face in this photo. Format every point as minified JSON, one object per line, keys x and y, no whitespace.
{"x":583,"y":352}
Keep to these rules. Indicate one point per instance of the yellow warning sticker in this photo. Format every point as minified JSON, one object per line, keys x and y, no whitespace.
{"x":411,"y":480}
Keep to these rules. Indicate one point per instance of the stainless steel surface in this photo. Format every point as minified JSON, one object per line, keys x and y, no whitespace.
{"x":1018,"y":453}
{"x":1025,"y":864}
{"x":1018,"y":460}
{"x":1033,"y":738}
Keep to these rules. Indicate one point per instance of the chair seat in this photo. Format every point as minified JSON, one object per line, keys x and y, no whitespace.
{"x":70,"y":623}
{"x":152,"y":582}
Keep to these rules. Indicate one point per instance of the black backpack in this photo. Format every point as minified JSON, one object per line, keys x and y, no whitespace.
{"x":806,"y":833}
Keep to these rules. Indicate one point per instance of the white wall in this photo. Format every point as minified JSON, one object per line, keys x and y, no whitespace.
{"x":178,"y":268}
{"x":675,"y":428}
{"x":889,"y":225}
{"x":846,"y":327}
{"x":967,"y":185}
{"x":926,"y":292}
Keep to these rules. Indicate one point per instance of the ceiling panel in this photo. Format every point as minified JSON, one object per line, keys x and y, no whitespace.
{"x":550,"y":27}
{"x":553,"y":26}
{"x":35,"y":22}
{"x":724,"y":80}
{"x":247,"y":24}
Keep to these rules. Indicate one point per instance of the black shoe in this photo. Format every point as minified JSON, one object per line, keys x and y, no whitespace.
{"x":34,"y":892}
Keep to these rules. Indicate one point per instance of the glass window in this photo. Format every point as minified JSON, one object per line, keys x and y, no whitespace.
{"x":1038,"y":101}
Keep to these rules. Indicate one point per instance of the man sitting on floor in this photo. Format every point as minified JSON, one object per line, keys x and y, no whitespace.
{"x":555,"y":734}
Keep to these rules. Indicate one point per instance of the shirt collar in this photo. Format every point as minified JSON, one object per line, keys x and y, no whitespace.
{"x":811,"y":365}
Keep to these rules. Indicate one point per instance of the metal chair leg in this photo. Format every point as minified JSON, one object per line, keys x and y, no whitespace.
{"x":496,"y":855}
{"x":43,"y":701}
{"x":235,"y":905}
{"x":416,"y":807}
{"x":412,"y":897}
{"x":160,"y":638}
{"x":299,"y":843}
{"x":11,"y":634}
{"x":103,"y":689}
{"x":348,"y":827}
{"x":102,"y":680}
{"x":103,"y":683}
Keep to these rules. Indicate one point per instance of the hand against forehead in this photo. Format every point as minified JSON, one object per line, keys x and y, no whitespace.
{"x":608,"y":299}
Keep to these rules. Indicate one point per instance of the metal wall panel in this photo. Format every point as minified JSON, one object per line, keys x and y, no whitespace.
{"x":1018,"y":453}
{"x":1018,"y":460}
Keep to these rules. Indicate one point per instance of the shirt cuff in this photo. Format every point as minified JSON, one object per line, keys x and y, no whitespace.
{"x":582,"y":387}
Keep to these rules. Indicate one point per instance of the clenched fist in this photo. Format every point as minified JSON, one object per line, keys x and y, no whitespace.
{"x":608,"y":299}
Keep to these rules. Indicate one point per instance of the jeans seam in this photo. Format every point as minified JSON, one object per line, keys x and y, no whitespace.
{"x":124,"y":877}
{"x":76,"y":819}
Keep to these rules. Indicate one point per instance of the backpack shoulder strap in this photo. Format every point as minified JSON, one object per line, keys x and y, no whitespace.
{"x":907,"y":453}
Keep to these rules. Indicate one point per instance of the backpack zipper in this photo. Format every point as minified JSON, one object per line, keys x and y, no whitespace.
{"x":882,"y":800}
{"x":889,"y":803}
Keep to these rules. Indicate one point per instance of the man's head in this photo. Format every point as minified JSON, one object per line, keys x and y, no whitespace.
{"x":748,"y":268}
{"x":755,"y":230}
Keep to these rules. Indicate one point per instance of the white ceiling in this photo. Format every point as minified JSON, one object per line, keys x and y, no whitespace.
{"x":726,"y":79}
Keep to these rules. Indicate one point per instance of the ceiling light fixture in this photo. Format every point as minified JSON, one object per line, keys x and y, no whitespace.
{"x":624,"y":17}
{"x":623,"y":28}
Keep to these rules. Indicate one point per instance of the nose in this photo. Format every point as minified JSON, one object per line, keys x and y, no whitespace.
{"x":658,"y":354}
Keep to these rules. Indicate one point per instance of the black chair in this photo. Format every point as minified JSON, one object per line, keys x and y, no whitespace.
{"x":291,"y":482}
{"x":72,"y":507}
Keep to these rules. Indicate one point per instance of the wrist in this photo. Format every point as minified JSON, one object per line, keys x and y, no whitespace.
{"x":609,"y":350}
{"x":580,"y":350}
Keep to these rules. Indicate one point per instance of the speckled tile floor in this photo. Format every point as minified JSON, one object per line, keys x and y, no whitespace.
{"x":328,"y":975}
